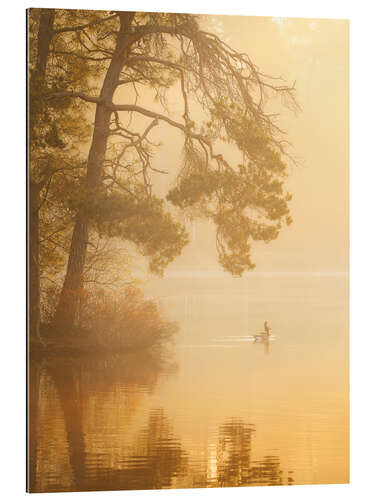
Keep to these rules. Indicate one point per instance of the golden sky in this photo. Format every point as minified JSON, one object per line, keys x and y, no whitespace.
{"x":315,"y":54}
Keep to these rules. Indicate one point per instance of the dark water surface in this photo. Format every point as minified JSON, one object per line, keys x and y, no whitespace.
{"x":225,"y":410}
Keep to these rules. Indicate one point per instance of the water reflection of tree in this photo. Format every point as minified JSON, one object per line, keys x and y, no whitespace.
{"x":162,"y":451}
{"x":156,"y":460}
{"x":234,"y":463}
{"x":73,"y":381}
{"x":33,"y":418}
{"x":233,"y":453}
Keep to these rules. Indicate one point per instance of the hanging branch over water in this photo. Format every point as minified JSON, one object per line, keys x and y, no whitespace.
{"x":158,"y":52}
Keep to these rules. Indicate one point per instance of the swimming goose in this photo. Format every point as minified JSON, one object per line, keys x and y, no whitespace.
{"x":263,"y":335}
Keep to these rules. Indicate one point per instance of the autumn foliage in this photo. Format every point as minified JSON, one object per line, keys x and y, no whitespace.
{"x":112,"y":321}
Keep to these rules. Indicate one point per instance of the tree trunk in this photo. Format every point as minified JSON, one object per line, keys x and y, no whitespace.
{"x":68,"y":302}
{"x":45,"y":34}
{"x":34,"y":271}
{"x":67,"y":383}
{"x":37,"y":82}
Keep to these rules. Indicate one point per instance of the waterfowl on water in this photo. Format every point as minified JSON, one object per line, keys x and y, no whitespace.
{"x":266,"y":328}
{"x":263,"y":335}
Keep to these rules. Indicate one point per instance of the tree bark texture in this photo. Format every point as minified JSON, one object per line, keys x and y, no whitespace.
{"x":34,"y":270}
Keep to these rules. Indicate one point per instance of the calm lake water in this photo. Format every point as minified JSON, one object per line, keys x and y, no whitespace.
{"x":224,"y":411}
